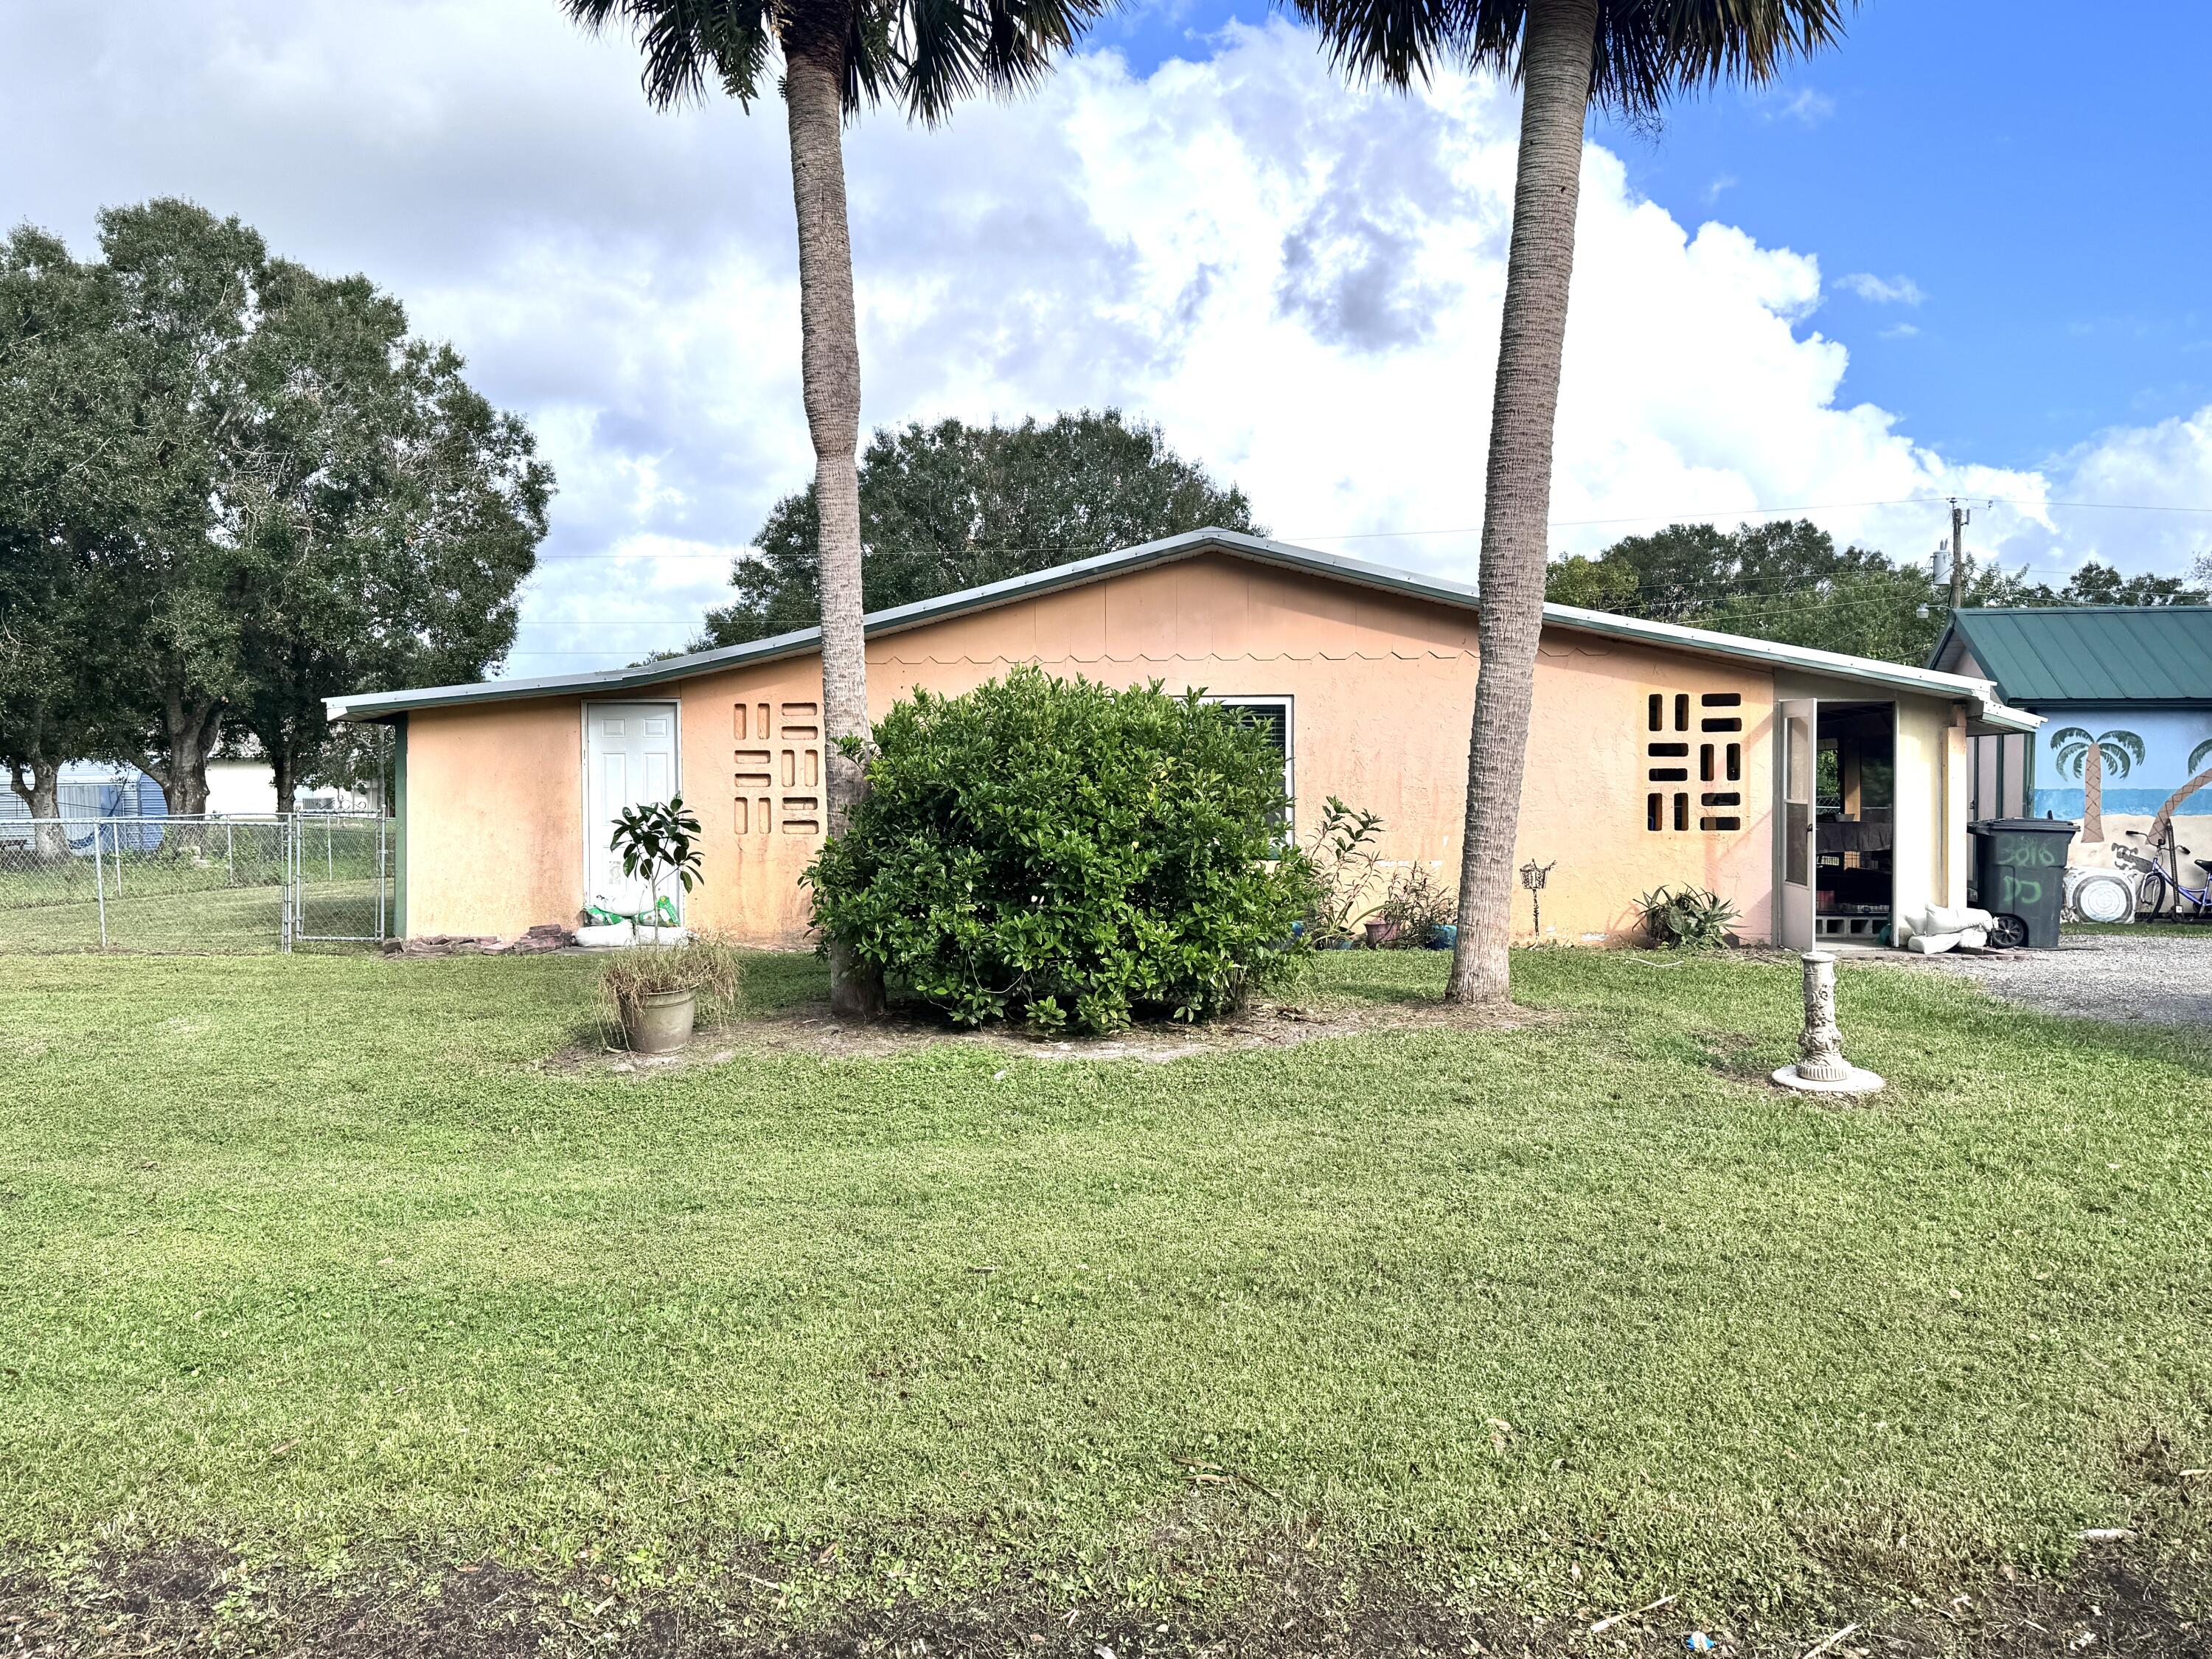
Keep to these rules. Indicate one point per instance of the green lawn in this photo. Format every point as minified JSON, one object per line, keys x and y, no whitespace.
{"x":188,"y":920}
{"x":215,"y":888}
{"x":314,"y":1258}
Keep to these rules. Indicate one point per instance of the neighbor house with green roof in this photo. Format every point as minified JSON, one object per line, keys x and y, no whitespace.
{"x":2126,"y":695}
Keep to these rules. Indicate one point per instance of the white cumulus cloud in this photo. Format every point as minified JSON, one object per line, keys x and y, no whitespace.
{"x":1301,"y":283}
{"x":1882,"y":290}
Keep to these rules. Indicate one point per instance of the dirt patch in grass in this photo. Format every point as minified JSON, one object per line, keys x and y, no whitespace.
{"x":811,"y":1028}
{"x":1738,"y":1054}
{"x":197,"y":1599}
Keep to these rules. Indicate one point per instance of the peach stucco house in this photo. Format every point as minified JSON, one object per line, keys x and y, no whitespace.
{"x":1823,"y":794}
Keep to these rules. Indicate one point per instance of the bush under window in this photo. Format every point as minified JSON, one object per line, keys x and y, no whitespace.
{"x":1057,"y":851}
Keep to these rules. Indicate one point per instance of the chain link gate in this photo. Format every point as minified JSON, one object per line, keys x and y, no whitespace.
{"x":337,"y":890}
{"x":198,"y":885}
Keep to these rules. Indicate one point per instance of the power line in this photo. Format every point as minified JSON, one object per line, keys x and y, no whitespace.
{"x":1699,"y":516}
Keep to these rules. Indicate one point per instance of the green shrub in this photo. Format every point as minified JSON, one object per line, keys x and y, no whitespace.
{"x":1341,"y":860}
{"x":1416,"y":904}
{"x":1686,"y":918}
{"x":1068,"y":853}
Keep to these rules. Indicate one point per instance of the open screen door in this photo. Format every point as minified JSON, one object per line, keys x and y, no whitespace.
{"x":1798,"y":731}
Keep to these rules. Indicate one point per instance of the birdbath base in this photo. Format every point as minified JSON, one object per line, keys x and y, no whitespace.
{"x":1860,"y":1082}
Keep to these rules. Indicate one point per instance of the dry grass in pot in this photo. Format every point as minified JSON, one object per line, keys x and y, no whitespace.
{"x":707,"y":963}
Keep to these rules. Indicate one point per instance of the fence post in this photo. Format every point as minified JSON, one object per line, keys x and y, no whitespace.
{"x":286,"y":851}
{"x":380,"y":822}
{"x":229,"y":854}
{"x":330,"y":859}
{"x":99,"y":883}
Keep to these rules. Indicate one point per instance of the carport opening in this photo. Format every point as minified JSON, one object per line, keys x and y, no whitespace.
{"x":1856,"y":820}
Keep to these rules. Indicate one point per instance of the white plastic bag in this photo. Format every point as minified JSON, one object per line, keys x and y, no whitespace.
{"x":611,"y":937}
{"x":1944,"y":919}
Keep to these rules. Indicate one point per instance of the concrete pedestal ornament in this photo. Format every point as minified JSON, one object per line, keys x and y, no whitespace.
{"x":1821,"y":1067}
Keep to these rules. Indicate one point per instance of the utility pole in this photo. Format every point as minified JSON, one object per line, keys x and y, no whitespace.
{"x":1960,"y":518}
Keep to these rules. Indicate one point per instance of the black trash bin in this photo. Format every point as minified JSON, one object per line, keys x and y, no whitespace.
{"x":2019,"y":877}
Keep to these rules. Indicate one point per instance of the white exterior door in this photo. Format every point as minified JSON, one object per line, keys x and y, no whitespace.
{"x":1797,"y":727}
{"x":630,"y":759}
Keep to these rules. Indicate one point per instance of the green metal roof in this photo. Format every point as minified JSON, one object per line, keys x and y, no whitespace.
{"x":2088,"y":653}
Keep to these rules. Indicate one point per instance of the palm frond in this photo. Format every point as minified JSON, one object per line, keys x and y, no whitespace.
{"x":929,"y":54}
{"x":2200,"y":755}
{"x":949,"y":49}
{"x":689,"y":44}
{"x":2123,"y":750}
{"x":2070,"y":750}
{"x":1647,"y":51}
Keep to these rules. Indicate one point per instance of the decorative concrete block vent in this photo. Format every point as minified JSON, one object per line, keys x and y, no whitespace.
{"x":545,"y":936}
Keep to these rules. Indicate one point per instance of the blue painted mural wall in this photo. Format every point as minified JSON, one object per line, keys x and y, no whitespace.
{"x":2168,"y":734}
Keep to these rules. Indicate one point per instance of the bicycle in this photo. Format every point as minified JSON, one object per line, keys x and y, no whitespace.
{"x":2159,"y":868}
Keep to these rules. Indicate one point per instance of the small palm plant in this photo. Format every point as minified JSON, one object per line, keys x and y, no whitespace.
{"x":2086,"y":757}
{"x":658,"y":840}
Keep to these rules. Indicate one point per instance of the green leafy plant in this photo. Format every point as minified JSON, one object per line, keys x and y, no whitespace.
{"x":1686,"y":918}
{"x":706,"y":963}
{"x":1341,"y":860}
{"x":658,"y":840}
{"x":1416,"y":905}
{"x":1061,"y":852}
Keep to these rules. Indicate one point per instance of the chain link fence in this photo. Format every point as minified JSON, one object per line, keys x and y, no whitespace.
{"x":202,"y":886}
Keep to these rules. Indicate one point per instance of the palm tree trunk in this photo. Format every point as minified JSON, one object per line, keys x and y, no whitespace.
{"x":2164,"y":822}
{"x":829,"y":366}
{"x":2093,"y":794}
{"x":1556,"y":51}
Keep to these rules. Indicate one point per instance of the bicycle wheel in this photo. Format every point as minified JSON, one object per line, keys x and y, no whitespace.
{"x":2156,"y":893}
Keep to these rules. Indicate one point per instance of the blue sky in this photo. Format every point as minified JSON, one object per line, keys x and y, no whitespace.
{"x":1964,"y":252}
{"x":2046,"y":186}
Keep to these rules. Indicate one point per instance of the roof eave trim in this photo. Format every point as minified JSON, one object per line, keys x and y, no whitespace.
{"x":1804,"y":659}
{"x":1926,"y":681}
{"x":376,"y":704}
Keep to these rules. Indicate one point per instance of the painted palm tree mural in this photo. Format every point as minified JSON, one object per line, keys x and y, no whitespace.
{"x":2200,"y":775}
{"x":2079,"y":755}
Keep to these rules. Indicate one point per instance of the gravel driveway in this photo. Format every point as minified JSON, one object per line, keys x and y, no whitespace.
{"x":2165,"y":978}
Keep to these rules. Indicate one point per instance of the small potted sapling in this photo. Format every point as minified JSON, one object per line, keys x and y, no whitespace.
{"x":655,"y":990}
{"x":658,"y":841}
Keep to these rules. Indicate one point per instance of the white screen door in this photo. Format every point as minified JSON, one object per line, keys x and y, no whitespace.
{"x":1798,"y":729}
{"x":630,"y":759}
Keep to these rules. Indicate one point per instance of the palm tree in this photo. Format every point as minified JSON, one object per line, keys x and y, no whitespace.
{"x":839,"y":55}
{"x":2086,"y":758}
{"x":1629,"y":56}
{"x":2200,"y":770}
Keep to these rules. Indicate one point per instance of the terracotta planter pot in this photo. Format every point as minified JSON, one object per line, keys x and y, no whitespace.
{"x":662,"y":1022}
{"x":1380,"y":933}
